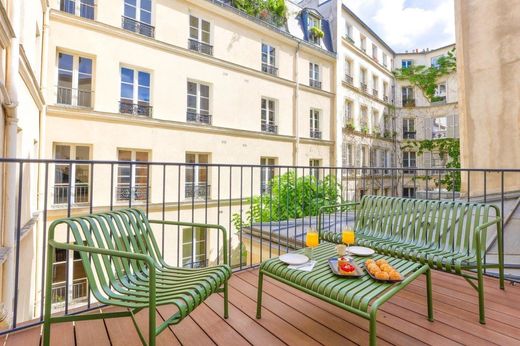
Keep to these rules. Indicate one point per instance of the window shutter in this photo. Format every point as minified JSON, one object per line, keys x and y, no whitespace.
{"x":450,"y":126}
{"x":428,"y":128}
{"x":427,"y":159}
{"x":359,"y":155}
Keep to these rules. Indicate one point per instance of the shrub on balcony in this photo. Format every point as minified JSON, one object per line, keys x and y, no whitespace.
{"x":350,"y":125}
{"x":272,"y":11}
{"x":364,"y":129}
{"x":317,"y":32}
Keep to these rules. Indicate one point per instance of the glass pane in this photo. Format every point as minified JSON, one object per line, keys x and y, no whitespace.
{"x":190,"y":158}
{"x":204,"y":90}
{"x":141,"y":156}
{"x":144,"y":94}
{"x":205,"y":37}
{"x":205,"y":26}
{"x":194,"y":33}
{"x":127,"y":75}
{"x":192,"y":88}
{"x":146,"y":5}
{"x":62,"y":152}
{"x":194,"y":22}
{"x":65,"y":79}
{"x":204,"y":105}
{"x":130,"y":11}
{"x":85,"y":65}
{"x":61,"y":174}
{"x":203,"y":158}
{"x":192,"y":103}
{"x":124,"y":155}
{"x":78,"y":272}
{"x":146,"y":17}
{"x":144,"y":79}
{"x":65,"y":61}
{"x":59,"y":272}
{"x":82,"y":174}
{"x":127,"y":91}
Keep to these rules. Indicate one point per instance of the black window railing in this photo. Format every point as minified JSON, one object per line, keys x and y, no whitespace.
{"x":126,"y":107}
{"x":125,"y":192}
{"x":409,"y":134}
{"x":375,"y":92}
{"x":315,"y":83}
{"x":350,"y":39}
{"x":349,"y":79}
{"x":74,"y":97}
{"x":268,"y":127}
{"x":200,"y":47}
{"x":200,"y":190}
{"x":137,"y":27}
{"x":315,"y":134}
{"x":81,"y":193}
{"x":385,"y":98}
{"x":198,"y":118}
{"x":270,"y":69}
{"x":408,"y":102}
{"x":363,"y":87}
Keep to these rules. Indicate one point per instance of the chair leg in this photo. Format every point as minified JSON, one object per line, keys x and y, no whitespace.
{"x":46,"y":332}
{"x":429,"y":294}
{"x":481,"y":310}
{"x":151,"y":325}
{"x":259,"y":296}
{"x":226,"y":303}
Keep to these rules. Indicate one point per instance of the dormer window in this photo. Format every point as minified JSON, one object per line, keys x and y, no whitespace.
{"x":315,"y":32}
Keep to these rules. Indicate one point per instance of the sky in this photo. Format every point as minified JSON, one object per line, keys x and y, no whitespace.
{"x":408,"y":24}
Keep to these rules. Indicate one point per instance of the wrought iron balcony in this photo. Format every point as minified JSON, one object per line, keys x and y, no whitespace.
{"x":363,"y":87}
{"x":200,"y":190}
{"x":270,"y":69}
{"x":315,"y":134}
{"x":137,"y":193}
{"x":198,"y":118}
{"x":438,"y":100}
{"x":137,"y":27}
{"x":200,"y":47}
{"x":408,"y":102}
{"x":268,"y":127}
{"x":350,"y":39}
{"x":74,"y":97}
{"x":81,"y":193}
{"x":349,"y":79}
{"x":126,"y":107}
{"x":409,"y":134}
{"x":315,"y":83}
{"x":375,"y":92}
{"x":385,"y":98}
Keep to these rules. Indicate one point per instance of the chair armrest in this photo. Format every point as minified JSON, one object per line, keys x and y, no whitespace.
{"x":201,"y":225}
{"x":484,"y":228}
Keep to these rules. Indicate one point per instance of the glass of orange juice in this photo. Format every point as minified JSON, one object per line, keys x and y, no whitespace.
{"x":348,"y":237}
{"x":312,"y":240}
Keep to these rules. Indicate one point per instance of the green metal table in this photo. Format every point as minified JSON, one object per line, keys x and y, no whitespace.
{"x":362,"y":296}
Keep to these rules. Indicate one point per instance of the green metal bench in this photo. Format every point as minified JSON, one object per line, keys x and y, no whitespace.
{"x":125,"y":268}
{"x":449,"y":236}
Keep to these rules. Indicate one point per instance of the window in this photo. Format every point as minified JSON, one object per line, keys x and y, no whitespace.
{"x":406,"y":63}
{"x":409,"y":128}
{"x":385,"y":63}
{"x":314,"y":75}
{"x":363,"y":43}
{"x":266,"y":173}
{"x":137,"y":17}
{"x":200,"y":35}
{"x":348,"y":155}
{"x":408,"y":192}
{"x":78,"y":285}
{"x":269,"y":59}
{"x":196,"y":180}
{"x":440,"y":128}
{"x":376,"y":122}
{"x":132,"y":179}
{"x":435,"y":61}
{"x":363,"y":155}
{"x":315,"y":170}
{"x":71,"y":181}
{"x":385,"y":91}
{"x":194,"y":247}
{"x":348,"y":70}
{"x":348,"y":32}
{"x":314,"y":22}
{"x":135,"y":92}
{"x":408,"y":99}
{"x":349,"y":116}
{"x":440,"y":93}
{"x":364,"y":118}
{"x":409,"y":161}
{"x":386,"y":161}
{"x":315,"y":124}
{"x":198,"y":103}
{"x":375,"y":86}
{"x":82,"y":8}
{"x":74,"y":80}
{"x":374,"y":52}
{"x":268,"y":114}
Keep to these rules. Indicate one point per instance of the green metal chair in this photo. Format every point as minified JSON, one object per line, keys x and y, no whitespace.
{"x":125,"y":268}
{"x":449,"y":236}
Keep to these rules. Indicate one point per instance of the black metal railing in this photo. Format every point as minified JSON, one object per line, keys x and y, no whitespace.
{"x":270,"y":69}
{"x":409,"y":134}
{"x":80,"y":194}
{"x":137,"y":27}
{"x":408,"y":102}
{"x":126,"y":107}
{"x":198,"y":118}
{"x":315,"y":83}
{"x":385,"y":98}
{"x":315,"y":134}
{"x":74,"y":97}
{"x":261,"y":224}
{"x":350,"y":39}
{"x":363,"y":87}
{"x":269,"y":127}
{"x":349,"y":79}
{"x":375,"y":92}
{"x":200,"y":47}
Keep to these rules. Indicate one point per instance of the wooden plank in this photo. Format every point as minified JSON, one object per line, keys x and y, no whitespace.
{"x":243,"y":324}
{"x":218,"y":330}
{"x":91,"y":332}
{"x":121,"y":330}
{"x":187,"y":331}
{"x":27,"y":337}
{"x":165,"y":338}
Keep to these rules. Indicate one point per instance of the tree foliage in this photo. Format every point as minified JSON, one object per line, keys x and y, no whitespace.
{"x":274,"y":11}
{"x":426,"y":77}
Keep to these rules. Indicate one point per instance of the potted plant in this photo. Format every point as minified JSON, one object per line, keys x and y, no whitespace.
{"x":350,"y":125}
{"x":364,"y":129}
{"x":316,"y":32}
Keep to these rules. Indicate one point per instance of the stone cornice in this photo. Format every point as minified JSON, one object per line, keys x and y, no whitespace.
{"x":6,"y":30}
{"x":366,"y":57}
{"x":27,"y":74}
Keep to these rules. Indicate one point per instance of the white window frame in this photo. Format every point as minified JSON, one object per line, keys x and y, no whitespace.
{"x":375,"y":51}
{"x":314,"y":119}
{"x":314,"y":170}
{"x":77,"y":7}
{"x":198,"y":98}
{"x":135,"y":85}
{"x":409,"y":159}
{"x":314,"y":72}
{"x":348,"y":30}
{"x":138,"y":10}
{"x":270,"y":55}
{"x":267,"y":172}
{"x":194,"y":241}
{"x":75,"y":96}
{"x":72,"y":174}
{"x":199,"y":29}
{"x":406,"y":63}
{"x":133,"y":175}
{"x":313,"y":21}
{"x":363,"y":43}
{"x":267,"y":111}
{"x":69,"y":289}
{"x":385,"y":57}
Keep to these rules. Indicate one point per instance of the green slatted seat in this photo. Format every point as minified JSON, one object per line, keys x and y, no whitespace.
{"x":125,"y":268}
{"x":448,"y":236}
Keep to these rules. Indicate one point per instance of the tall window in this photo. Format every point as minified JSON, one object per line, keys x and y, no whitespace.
{"x":440,"y":127}
{"x":348,"y":32}
{"x":348,"y":69}
{"x":363,"y":79}
{"x":363,"y":43}
{"x":408,"y":192}
{"x":409,"y":128}
{"x":314,"y":22}
{"x":132,"y":179}
{"x":315,"y":123}
{"x":137,"y":17}
{"x":376,"y":122}
{"x":269,"y":59}
{"x":375,"y":85}
{"x":348,"y":155}
{"x":385,"y":63}
{"x":71,"y":181}
{"x":364,"y":117}
{"x":314,"y":75}
{"x":82,"y":8}
{"x":407,"y":96}
{"x":409,"y":161}
{"x":267,"y":173}
{"x":78,"y":285}
{"x":374,"y":51}
{"x":74,"y":80}
{"x":194,"y":247}
{"x":406,"y":63}
{"x":349,"y":115}
{"x":440,"y":93}
{"x":315,"y":165}
{"x":385,"y":91}
{"x":198,"y":103}
{"x":196,"y":180}
{"x":200,"y":36}
{"x":268,"y":116}
{"x":135,"y":92}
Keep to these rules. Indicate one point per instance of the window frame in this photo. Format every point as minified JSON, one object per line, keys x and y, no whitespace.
{"x":132,"y":184}
{"x":200,"y":30}
{"x":313,"y":21}
{"x":78,"y":9}
{"x":198,"y":97}
{"x":75,"y":95}
{"x":135,"y":85}
{"x":193,"y":240}
{"x":266,"y":112}
{"x":138,"y":8}
{"x":267,"y":172}
{"x":73,"y":148}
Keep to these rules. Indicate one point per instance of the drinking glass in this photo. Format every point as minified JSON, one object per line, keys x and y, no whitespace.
{"x":312,"y":240}
{"x":348,"y":238}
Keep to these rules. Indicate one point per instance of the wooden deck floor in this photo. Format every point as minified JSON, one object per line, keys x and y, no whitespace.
{"x":292,"y":317}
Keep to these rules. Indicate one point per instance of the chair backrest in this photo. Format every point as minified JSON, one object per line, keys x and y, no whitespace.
{"x":124,"y":230}
{"x":443,"y":225}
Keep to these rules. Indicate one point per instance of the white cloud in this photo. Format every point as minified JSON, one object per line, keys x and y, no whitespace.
{"x":422,"y":24}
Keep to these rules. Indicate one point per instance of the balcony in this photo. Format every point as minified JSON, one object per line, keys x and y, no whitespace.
{"x":81,"y":193}
{"x":408,"y":102}
{"x":269,"y":127}
{"x":137,"y":27}
{"x":135,"y":193}
{"x":315,"y":134}
{"x":349,"y":79}
{"x":409,"y":134}
{"x":270,"y":69}
{"x":350,"y":39}
{"x":363,"y":87}
{"x":126,"y":107}
{"x":74,"y":97}
{"x":375,"y":92}
{"x":385,"y":98}
{"x":197,"y":190}
{"x":315,"y":83}
{"x":193,"y":117}
{"x":438,"y":100}
{"x":200,"y":47}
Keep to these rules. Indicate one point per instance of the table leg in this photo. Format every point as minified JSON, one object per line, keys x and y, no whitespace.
{"x":259,"y":296}
{"x":429,"y":294}
{"x":373,"y":327}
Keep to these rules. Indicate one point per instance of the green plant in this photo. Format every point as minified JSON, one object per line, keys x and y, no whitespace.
{"x":274,"y":11}
{"x":426,"y":77}
{"x":364,"y":129}
{"x":350,"y":125}
{"x":316,"y":32}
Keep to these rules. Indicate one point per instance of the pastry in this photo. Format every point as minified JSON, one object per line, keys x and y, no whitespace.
{"x":382,"y":275}
{"x":369,"y":262}
{"x":394,"y":275}
{"x":381,"y":261}
{"x":386,"y":268}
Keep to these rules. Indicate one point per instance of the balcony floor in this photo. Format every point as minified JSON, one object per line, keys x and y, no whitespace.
{"x":293,"y":317}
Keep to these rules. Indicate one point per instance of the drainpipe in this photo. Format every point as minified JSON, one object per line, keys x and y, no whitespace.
{"x":296,"y":122}
{"x":10,"y":181}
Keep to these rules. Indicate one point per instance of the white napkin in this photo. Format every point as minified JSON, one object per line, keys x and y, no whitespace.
{"x":306,"y":267}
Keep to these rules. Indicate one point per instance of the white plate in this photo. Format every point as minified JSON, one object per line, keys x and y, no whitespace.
{"x":361,"y":251}
{"x":294,"y":258}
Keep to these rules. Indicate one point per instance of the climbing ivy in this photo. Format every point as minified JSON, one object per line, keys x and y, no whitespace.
{"x":426,"y":77}
{"x":274,"y":11}
{"x":449,"y":150}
